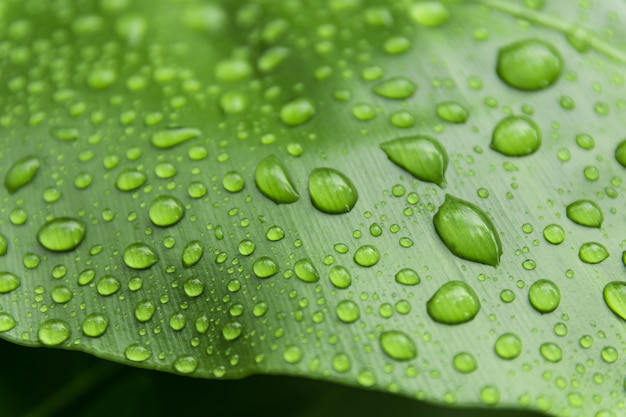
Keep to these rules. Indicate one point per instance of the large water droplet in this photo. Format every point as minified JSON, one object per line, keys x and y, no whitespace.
{"x":61,"y":234}
{"x":530,"y":64}
{"x":140,"y":256}
{"x":615,"y":297}
{"x":21,"y":173}
{"x":166,"y":210}
{"x":95,"y":325}
{"x":422,"y":156}
{"x":467,"y":231}
{"x":274,"y":181}
{"x":168,"y":138}
{"x":265,"y":267}
{"x":8,"y":282}
{"x":454,"y":303}
{"x":593,"y":253}
{"x":585,"y":213}
{"x":297,"y":112}
{"x":130,"y":179}
{"x":331,"y":191}
{"x":544,"y":296}
{"x":396,"y":88}
{"x":192,"y":253}
{"x":53,"y":332}
{"x":305,"y":270}
{"x":516,"y":136}
{"x":508,"y":346}
{"x":397,"y":345}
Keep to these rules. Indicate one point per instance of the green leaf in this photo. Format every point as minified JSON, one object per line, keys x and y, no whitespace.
{"x":211,"y":189}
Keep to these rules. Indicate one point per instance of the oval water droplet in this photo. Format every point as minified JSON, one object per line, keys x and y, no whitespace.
{"x":168,"y":138}
{"x":7,"y":322}
{"x":452,"y":112}
{"x":61,"y":234}
{"x":516,"y":136}
{"x":144,"y":311}
{"x":340,"y":277}
{"x":265,"y":267}
{"x":397,"y":88}
{"x":397,"y":345}
{"x":455,"y":302}
{"x":367,"y":256}
{"x":21,"y":173}
{"x":192,"y":253}
{"x":130,"y":180}
{"x":529,"y":64}
{"x":544,"y":295}
{"x":232,"y":331}
{"x":467,"y":232}
{"x":166,"y":210}
{"x":585,"y":213}
{"x":593,"y":253}
{"x":620,"y":153}
{"x":186,"y":364}
{"x":108,"y":285}
{"x":407,"y":276}
{"x":193,"y":287}
{"x":95,"y":325}
{"x":331,"y":191}
{"x":233,"y":182}
{"x":508,"y":346}
{"x":305,"y":271}
{"x":615,"y":297}
{"x":297,"y":112}
{"x":137,"y":353}
{"x":348,"y":311}
{"x":140,"y":256}
{"x":465,"y":363}
{"x":429,"y":13}
{"x":554,"y":234}
{"x":8,"y":282}
{"x":274,"y":181}
{"x":421,"y":156}
{"x":53,"y":332}
{"x":293,"y":354}
{"x":551,"y":352}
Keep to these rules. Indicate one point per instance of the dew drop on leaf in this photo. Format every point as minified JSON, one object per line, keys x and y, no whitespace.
{"x":61,"y":294}
{"x":130,"y":180}
{"x":516,"y":136}
{"x":341,"y":363}
{"x":192,"y":253}
{"x":452,"y":112}
{"x":467,"y":232}
{"x":61,"y":234}
{"x":429,"y":13}
{"x":508,"y":346}
{"x":7,"y":322}
{"x":455,"y":302}
{"x":551,"y":352}
{"x":297,"y":112}
{"x":593,"y":253}
{"x":615,"y":297}
{"x":4,"y":245}
{"x":166,"y":210}
{"x":274,"y":181}
{"x":53,"y":332}
{"x":367,"y":256}
{"x":8,"y":282}
{"x":144,"y":311}
{"x":340,"y":277}
{"x":397,"y":88}
{"x":397,"y":345}
{"x":529,"y":64}
{"x":305,"y":271}
{"x":620,"y":153}
{"x":465,"y":363}
{"x":544,"y":295}
{"x":21,"y":173}
{"x":554,"y":234}
{"x":490,"y":395}
{"x":293,"y":354}
{"x":95,"y":325}
{"x":108,"y":285}
{"x":139,"y":256}
{"x":348,"y":311}
{"x":421,"y":156}
{"x":265,"y":267}
{"x":331,"y":191}
{"x":168,"y":138}
{"x":186,"y":364}
{"x":193,"y":287}
{"x":585,"y":213}
{"x":137,"y":353}
{"x":233,"y":182}
{"x":86,"y":276}
{"x":407,"y":276}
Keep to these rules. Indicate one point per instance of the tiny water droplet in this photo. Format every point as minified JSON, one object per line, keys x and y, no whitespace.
{"x":192,"y":253}
{"x":455,"y":302}
{"x":367,"y":256}
{"x":615,"y":297}
{"x":61,"y":234}
{"x":21,"y":173}
{"x":139,"y":256}
{"x":585,"y":213}
{"x":421,"y":156}
{"x":397,"y":345}
{"x":168,"y":138}
{"x":8,"y":282}
{"x":529,"y":64}
{"x":331,"y":191}
{"x":593,"y":253}
{"x":305,"y":271}
{"x":397,"y":88}
{"x":516,"y":136}
{"x":166,"y":210}
{"x":53,"y":332}
{"x":130,"y":180}
{"x":452,"y":112}
{"x":297,"y":112}
{"x":348,"y":311}
{"x":508,"y":346}
{"x":95,"y":325}
{"x":467,"y":232}
{"x":553,"y":233}
{"x":274,"y":181}
{"x":265,"y":267}
{"x":407,"y":276}
{"x":544,"y":295}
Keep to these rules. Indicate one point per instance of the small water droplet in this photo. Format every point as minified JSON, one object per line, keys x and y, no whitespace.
{"x":397,"y":345}
{"x":367,"y":256}
{"x":53,"y":332}
{"x":551,"y":352}
{"x":108,"y":285}
{"x":7,"y":322}
{"x":429,"y":13}
{"x":490,"y":395}
{"x":21,"y":173}
{"x":467,"y":232}
{"x":553,"y":233}
{"x":95,"y":325}
{"x":397,"y":88}
{"x":166,"y":210}
{"x":168,"y":138}
{"x":452,"y":112}
{"x":61,"y":234}
{"x":275,"y":233}
{"x":348,"y":311}
{"x":593,"y":253}
{"x":140,"y":256}
{"x":61,"y":294}
{"x":265,"y":267}
{"x":465,"y":363}
{"x":297,"y":112}
{"x":585,"y":213}
{"x":305,"y":271}
{"x":340,"y":277}
{"x":137,"y":353}
{"x":544,"y":295}
{"x":407,"y":276}
{"x":274,"y":181}
{"x":8,"y":282}
{"x":615,"y":297}
{"x":508,"y":346}
{"x":246,"y":247}
{"x":455,"y":302}
{"x":331,"y":191}
{"x":293,"y":354}
{"x":233,"y":182}
{"x":130,"y":179}
{"x":186,"y":364}
{"x":421,"y":156}
{"x":585,"y":141}
{"x":144,"y":311}
{"x":516,"y":136}
{"x":192,"y":253}
{"x":529,"y":64}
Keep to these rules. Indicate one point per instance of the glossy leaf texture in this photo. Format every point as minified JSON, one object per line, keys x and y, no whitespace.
{"x":157,"y":157}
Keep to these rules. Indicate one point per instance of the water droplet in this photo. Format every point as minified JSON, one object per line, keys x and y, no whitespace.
{"x":246,"y":247}
{"x":508,"y":346}
{"x":610,"y":354}
{"x":367,"y":256}
{"x":467,"y":232}
{"x":615,"y":297}
{"x":342,"y":363}
{"x":140,"y":256}
{"x":585,"y":213}
{"x":507,"y":296}
{"x":137,"y":353}
{"x":193,"y":287}
{"x":21,"y":173}
{"x":166,"y":210}
{"x":233,"y":182}
{"x":145,"y":310}
{"x":265,"y":267}
{"x":407,"y":276}
{"x":61,"y":294}
{"x":178,"y":321}
{"x":620,"y":153}
{"x":293,"y":354}
{"x":233,"y":102}
{"x":397,"y":345}
{"x":585,"y":141}
{"x":101,"y":78}
{"x":340,"y":277}
{"x":554,"y":234}
{"x":422,"y":156}
{"x":331,"y":191}
{"x":274,"y":181}
{"x":529,"y":65}
{"x":465,"y":363}
{"x":455,"y":302}
{"x":396,"y":88}
{"x":490,"y":395}
{"x":61,"y":234}
{"x":7,"y":322}
{"x":297,"y":112}
{"x":452,"y":112}
{"x":130,"y":179}
{"x":168,"y":138}
{"x":108,"y":285}
{"x":8,"y":282}
{"x":53,"y":332}
{"x":95,"y":325}
{"x":348,"y":311}
{"x":544,"y":295}
{"x":363,"y":111}
{"x":551,"y":352}
{"x":275,"y":233}
{"x":4,"y":245}
{"x":516,"y":136}
{"x":192,"y":253}
{"x":305,"y":271}
{"x":593,"y":253}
